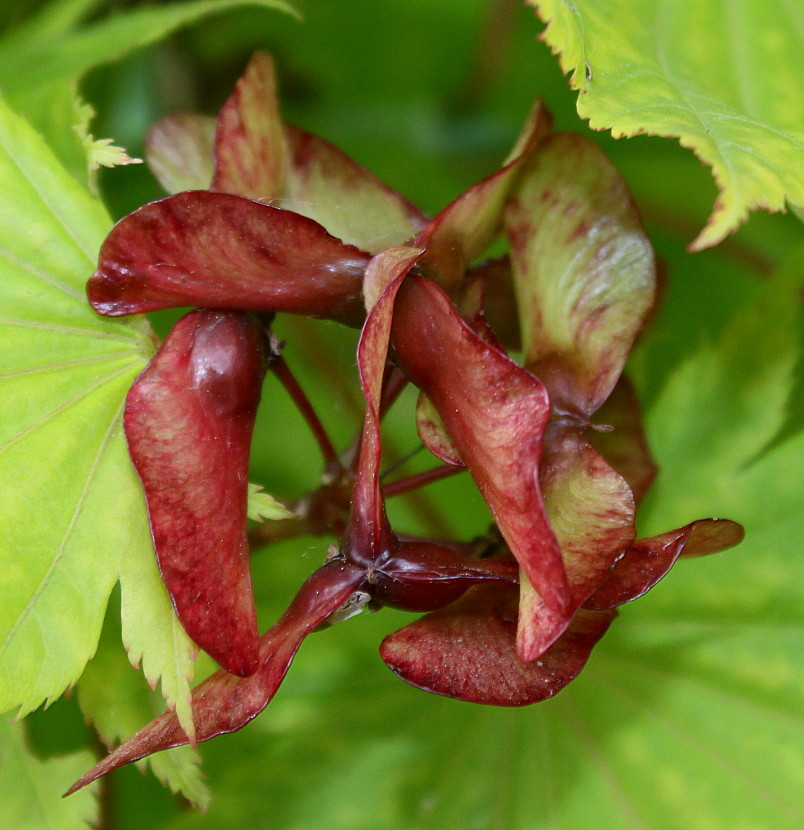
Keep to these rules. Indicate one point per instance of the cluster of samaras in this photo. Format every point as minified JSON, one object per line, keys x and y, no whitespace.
{"x":509,"y":621}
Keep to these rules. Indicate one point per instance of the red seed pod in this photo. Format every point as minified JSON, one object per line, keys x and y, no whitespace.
{"x":188,"y":422}
{"x":425,"y":576}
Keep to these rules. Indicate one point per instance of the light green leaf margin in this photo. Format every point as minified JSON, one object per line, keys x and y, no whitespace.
{"x":72,"y":516}
{"x":118,"y":702}
{"x":721,"y":77}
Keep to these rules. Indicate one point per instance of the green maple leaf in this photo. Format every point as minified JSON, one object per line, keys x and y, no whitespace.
{"x":72,"y":515}
{"x":721,"y":77}
{"x":724,"y":404}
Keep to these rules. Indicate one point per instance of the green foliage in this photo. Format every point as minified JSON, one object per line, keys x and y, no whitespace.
{"x":115,"y":698}
{"x":720,"y":77}
{"x":262,"y":505}
{"x":42,"y":60}
{"x":32,"y":786}
{"x":65,"y":375}
{"x":736,"y":390}
{"x":74,"y":522}
{"x":79,"y":48}
{"x":688,"y":714}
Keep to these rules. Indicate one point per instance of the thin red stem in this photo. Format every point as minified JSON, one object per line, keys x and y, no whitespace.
{"x":395,"y":382}
{"x":405,"y":485}
{"x":286,"y":378}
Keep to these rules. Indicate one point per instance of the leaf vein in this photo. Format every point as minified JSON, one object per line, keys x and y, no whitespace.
{"x":68,"y":532}
{"x":704,"y":748}
{"x":89,"y":254}
{"x":715,"y":691}
{"x":79,"y":361}
{"x":64,"y":405}
{"x":61,"y":329}
{"x":627,"y":808}
{"x":55,"y":282}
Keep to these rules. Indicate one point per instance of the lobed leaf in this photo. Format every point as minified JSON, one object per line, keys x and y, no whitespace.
{"x":583,"y":270}
{"x":152,"y":634}
{"x":65,"y":373}
{"x":721,"y":78}
{"x":24,"y":66}
{"x":115,"y":698}
{"x":725,"y":404}
{"x":264,"y":506}
{"x":42,"y":60}
{"x":30,"y":785}
{"x":57,"y":112}
{"x":50,"y":21}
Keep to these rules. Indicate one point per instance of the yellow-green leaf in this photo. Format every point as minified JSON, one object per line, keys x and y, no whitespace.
{"x":262,"y":505}
{"x":721,"y":77}
{"x":117,"y":700}
{"x":72,"y":516}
